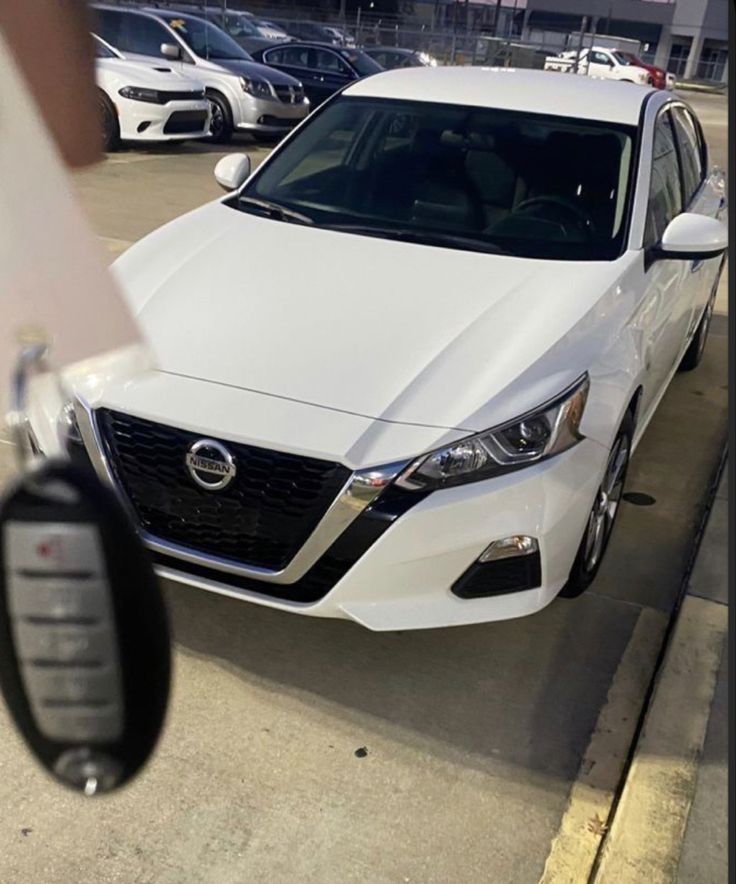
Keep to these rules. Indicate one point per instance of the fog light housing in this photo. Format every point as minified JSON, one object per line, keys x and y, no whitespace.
{"x":509,"y":548}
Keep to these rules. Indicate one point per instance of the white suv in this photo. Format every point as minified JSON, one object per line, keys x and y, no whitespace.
{"x":402,"y":367}
{"x":143,"y":102}
{"x":245,"y":96}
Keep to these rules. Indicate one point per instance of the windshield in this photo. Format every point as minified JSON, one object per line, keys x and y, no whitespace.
{"x":205,"y":39}
{"x":361,"y":61}
{"x":234,"y":24}
{"x":532,"y":185}
{"x":621,"y":58}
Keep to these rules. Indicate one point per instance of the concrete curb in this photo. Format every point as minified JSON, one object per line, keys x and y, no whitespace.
{"x":701,"y":87}
{"x":645,"y":838}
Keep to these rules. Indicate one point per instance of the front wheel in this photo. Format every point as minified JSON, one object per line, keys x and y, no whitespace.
{"x":109,"y":127}
{"x":221,"y":125}
{"x":696,"y":348}
{"x":602,"y":517}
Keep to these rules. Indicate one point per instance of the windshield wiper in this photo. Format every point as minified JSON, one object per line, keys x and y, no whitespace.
{"x":424,"y":237}
{"x":276,"y":210}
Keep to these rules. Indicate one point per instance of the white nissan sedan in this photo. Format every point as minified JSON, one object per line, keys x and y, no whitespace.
{"x":403,"y":366}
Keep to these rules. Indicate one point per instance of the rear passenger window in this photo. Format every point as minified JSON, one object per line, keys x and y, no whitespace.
{"x":665,"y":195}
{"x":293,"y":56}
{"x":691,"y":153}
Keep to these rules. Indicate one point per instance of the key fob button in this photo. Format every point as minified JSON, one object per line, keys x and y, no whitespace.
{"x":80,"y":724}
{"x":64,"y":644}
{"x":59,"y":599}
{"x":70,"y":685}
{"x":52,"y":547}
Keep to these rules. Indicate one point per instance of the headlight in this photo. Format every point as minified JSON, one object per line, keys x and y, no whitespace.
{"x":256,"y":88}
{"x":139,"y":93}
{"x":548,"y":430}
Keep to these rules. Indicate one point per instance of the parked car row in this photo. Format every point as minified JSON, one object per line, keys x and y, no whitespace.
{"x":237,"y":73}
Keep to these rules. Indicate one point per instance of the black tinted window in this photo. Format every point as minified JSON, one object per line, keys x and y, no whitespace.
{"x":292,"y":55}
{"x":691,"y":152}
{"x":665,"y":196}
{"x":330,"y":62}
{"x":109,"y":26}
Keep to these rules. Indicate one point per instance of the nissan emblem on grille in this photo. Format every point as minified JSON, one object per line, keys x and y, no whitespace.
{"x":210,"y":464}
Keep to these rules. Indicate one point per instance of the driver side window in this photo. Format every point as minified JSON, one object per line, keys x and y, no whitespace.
{"x":600,"y":58}
{"x":665,"y":195}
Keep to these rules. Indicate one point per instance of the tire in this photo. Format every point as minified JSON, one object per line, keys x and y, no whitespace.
{"x":694,"y":353}
{"x":109,"y":126}
{"x":602,"y":517}
{"x":221,"y":127}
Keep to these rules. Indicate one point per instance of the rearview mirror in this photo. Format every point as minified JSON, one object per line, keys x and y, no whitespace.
{"x":170,"y":50}
{"x":693,"y":237}
{"x":232,"y":171}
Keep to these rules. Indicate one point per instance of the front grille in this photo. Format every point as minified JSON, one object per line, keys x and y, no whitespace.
{"x":185,"y":121}
{"x":290,"y":94}
{"x":331,"y":567}
{"x":280,"y":122}
{"x":166,"y":97}
{"x":262,"y":518}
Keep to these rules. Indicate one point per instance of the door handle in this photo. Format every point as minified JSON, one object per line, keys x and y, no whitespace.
{"x":696,"y":265}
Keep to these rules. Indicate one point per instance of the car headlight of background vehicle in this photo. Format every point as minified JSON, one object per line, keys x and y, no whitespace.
{"x":257,"y":88}
{"x":140,"y":93}
{"x":548,"y":430}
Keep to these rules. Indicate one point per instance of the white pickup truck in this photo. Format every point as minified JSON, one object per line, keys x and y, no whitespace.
{"x":599,"y":62}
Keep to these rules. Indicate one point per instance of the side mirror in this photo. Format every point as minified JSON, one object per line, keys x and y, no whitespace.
{"x":170,"y":50}
{"x":693,"y":237}
{"x":232,"y":171}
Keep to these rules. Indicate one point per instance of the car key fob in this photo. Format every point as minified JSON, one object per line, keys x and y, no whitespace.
{"x":84,"y":639}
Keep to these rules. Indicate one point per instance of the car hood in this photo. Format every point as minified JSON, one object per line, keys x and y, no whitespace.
{"x":139,"y":73}
{"x":252,"y":69}
{"x":383,"y":329}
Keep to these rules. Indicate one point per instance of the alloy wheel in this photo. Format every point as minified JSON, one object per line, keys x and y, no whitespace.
{"x":605,"y":508}
{"x":218,"y":119}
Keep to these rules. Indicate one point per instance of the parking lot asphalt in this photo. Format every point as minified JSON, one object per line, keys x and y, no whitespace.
{"x":307,"y":750}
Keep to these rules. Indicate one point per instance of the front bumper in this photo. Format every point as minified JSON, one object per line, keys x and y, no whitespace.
{"x":269,"y":117}
{"x":398,"y":573}
{"x":405,"y":579}
{"x":145,"y":121}
{"x":404,"y":573}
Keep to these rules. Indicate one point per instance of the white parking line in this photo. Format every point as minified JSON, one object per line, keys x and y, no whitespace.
{"x":575,"y":846}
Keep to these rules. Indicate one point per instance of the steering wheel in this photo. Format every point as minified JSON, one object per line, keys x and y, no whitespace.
{"x":581,"y":217}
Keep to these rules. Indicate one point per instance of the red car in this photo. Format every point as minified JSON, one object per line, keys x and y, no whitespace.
{"x":659,"y":76}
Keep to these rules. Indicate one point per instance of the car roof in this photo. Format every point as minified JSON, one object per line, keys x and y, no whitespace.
{"x":541,"y":92}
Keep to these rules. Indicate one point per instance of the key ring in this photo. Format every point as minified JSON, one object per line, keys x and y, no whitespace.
{"x":33,"y":359}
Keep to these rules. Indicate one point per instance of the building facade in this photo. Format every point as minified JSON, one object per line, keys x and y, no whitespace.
{"x":687,"y":37}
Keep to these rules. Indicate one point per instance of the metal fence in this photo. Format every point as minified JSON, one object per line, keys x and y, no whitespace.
{"x":488,"y":40}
